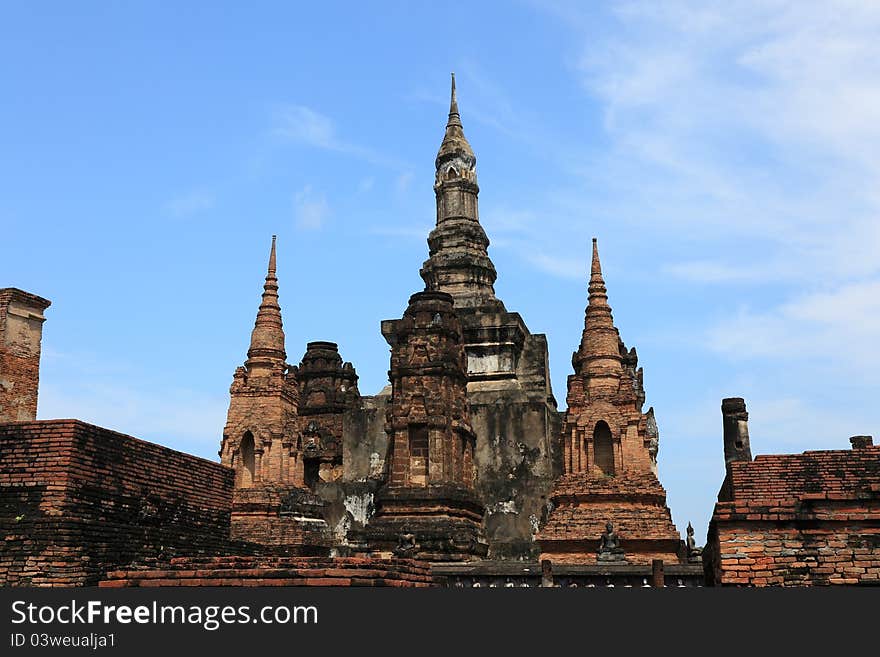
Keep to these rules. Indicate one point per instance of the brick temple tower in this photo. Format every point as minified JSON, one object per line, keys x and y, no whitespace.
{"x":512,"y":408}
{"x":609,"y":451}
{"x":21,"y":332}
{"x":258,"y":440}
{"x":262,"y":441}
{"x":428,"y":507}
{"x":327,"y":389}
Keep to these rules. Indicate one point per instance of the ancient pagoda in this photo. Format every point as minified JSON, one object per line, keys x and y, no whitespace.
{"x":609,"y":451}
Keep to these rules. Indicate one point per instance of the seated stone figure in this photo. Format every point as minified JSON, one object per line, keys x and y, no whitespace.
{"x":609,"y":545}
{"x":406,"y":546}
{"x":694,"y":553}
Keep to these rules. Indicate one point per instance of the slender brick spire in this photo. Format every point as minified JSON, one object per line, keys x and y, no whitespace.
{"x":598,"y":293}
{"x":459,"y":263}
{"x":599,"y":346}
{"x":267,"y":338}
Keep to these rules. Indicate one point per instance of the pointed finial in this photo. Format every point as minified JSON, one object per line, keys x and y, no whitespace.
{"x":598,"y":295}
{"x":453,"y":101}
{"x":272,"y":257}
{"x":454,"y":116}
{"x":267,"y":338}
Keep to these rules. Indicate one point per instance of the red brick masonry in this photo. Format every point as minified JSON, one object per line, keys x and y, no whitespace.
{"x":76,"y":499}
{"x":275,"y":571}
{"x":798,"y":520}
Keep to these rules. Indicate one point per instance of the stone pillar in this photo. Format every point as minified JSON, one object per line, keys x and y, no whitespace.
{"x":658,"y":578}
{"x":21,"y":332}
{"x":736,"y":430}
{"x":547,"y":574}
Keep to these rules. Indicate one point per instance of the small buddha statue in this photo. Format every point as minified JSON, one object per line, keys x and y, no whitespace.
{"x":609,"y":545}
{"x":406,"y":546}
{"x":694,"y":553}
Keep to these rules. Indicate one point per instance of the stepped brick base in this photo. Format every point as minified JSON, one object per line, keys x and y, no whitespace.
{"x":634,"y":502}
{"x":444,"y":523}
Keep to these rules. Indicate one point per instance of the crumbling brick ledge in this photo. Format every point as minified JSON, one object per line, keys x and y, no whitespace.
{"x":274,"y":571}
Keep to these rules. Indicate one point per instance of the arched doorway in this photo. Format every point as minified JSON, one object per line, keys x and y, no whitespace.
{"x":603,"y":446}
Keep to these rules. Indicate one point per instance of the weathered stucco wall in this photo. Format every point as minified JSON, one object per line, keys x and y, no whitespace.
{"x":517,"y":425}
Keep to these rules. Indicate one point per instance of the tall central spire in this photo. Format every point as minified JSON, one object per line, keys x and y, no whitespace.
{"x":267,"y":338}
{"x":459,"y":263}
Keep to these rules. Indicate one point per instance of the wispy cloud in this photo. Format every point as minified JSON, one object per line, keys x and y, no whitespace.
{"x":769,"y":125}
{"x":758,"y":146}
{"x":403,"y":181}
{"x":301,"y":124}
{"x":181,"y":417}
{"x":569,"y":268}
{"x":310,"y":209}
{"x":837,"y":327}
{"x":190,"y":203}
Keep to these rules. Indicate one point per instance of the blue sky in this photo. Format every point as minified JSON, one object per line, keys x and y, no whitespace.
{"x":726,"y":155}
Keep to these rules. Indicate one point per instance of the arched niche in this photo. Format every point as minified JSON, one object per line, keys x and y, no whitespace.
{"x":603,"y":447}
{"x":246,"y":471}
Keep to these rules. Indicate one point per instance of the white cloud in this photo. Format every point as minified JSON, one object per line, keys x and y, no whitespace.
{"x":310,"y":209}
{"x":301,"y":124}
{"x":763,"y":113}
{"x":790,"y":424}
{"x":193,"y":202}
{"x":748,"y":130}
{"x":570,"y":268}
{"x":404,"y":180}
{"x":838,"y":327}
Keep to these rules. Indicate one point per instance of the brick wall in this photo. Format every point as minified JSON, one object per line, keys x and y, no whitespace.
{"x":761,"y":553}
{"x":798,"y":520}
{"x":77,"y":500}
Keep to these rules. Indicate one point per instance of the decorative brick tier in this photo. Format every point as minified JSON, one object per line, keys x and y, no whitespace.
{"x":634,"y":502}
{"x":274,"y":571}
{"x":798,"y":520}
